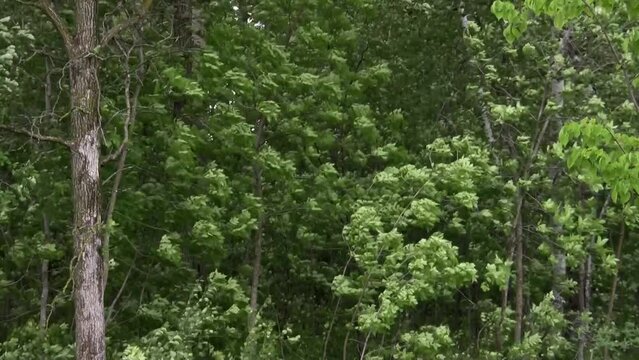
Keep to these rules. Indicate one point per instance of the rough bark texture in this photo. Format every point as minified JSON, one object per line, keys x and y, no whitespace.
{"x":85,"y":97}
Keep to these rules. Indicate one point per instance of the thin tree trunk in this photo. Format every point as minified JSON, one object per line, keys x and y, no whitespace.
{"x":44,"y":276}
{"x":582,"y":306}
{"x":44,"y":267}
{"x":182,"y":28}
{"x":85,"y":158}
{"x":559,"y":268}
{"x":585,"y":291}
{"x":615,"y":281}
{"x":259,"y":232}
{"x":519,"y":287}
{"x":559,"y":274}
{"x":131,"y":100}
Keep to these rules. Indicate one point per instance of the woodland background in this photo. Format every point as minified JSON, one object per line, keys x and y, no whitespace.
{"x":315,"y":179}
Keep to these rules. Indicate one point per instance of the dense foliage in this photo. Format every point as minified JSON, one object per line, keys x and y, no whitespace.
{"x":309,"y":179}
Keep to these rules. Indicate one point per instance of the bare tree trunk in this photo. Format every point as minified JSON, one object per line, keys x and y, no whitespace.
{"x":559,"y":274}
{"x":259,"y":232}
{"x":581,"y":344}
{"x":44,"y":276}
{"x":85,"y":158}
{"x":559,"y":268}
{"x":615,"y":281}
{"x":44,"y":267}
{"x":182,"y":28}
{"x":519,"y":287}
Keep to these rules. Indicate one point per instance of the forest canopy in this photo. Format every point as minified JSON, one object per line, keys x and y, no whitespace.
{"x":315,"y":179}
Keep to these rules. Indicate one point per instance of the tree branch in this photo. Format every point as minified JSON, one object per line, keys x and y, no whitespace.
{"x":117,"y":296}
{"x":49,"y":10}
{"x":114,"y":155}
{"x":35,"y":136}
{"x":113,"y":32}
{"x":131,"y":114}
{"x":116,"y":29}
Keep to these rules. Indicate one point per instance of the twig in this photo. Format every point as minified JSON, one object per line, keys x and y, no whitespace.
{"x":117,"y":296}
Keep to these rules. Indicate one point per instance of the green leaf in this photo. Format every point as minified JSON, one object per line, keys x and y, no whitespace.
{"x":632,"y":7}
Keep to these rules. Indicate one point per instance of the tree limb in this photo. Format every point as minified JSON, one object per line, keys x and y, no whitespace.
{"x":131,"y":110}
{"x":49,"y":10}
{"x":53,"y":139}
{"x":116,"y":29}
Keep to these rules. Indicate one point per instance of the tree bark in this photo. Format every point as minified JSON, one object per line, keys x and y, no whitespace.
{"x":85,"y":163}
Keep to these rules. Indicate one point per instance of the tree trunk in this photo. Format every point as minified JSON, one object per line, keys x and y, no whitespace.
{"x":85,"y":162}
{"x":44,"y":278}
{"x":519,"y":287}
{"x":585,"y":290}
{"x":559,"y":274}
{"x":182,"y":28}
{"x":44,"y":267}
{"x":259,"y":232}
{"x":559,"y":268}
{"x":615,"y":281}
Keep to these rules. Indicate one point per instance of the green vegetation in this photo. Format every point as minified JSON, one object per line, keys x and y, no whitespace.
{"x":311,"y":179}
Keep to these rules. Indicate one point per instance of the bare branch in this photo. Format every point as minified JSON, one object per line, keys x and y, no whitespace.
{"x":114,"y":155}
{"x":131,"y":115}
{"x":116,"y":29}
{"x":49,"y":10}
{"x":117,"y":296}
{"x":35,"y":136}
